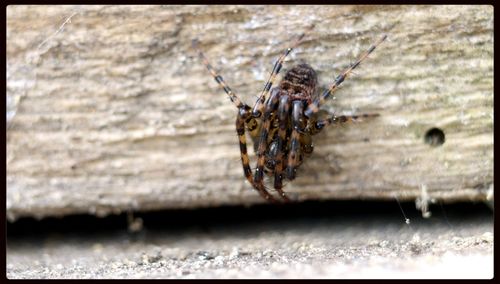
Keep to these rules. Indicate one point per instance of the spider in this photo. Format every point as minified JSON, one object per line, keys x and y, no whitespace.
{"x":284,"y":119}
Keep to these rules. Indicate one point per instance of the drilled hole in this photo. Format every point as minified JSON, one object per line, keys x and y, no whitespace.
{"x":434,"y":137}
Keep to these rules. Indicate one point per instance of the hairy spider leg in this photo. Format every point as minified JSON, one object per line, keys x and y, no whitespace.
{"x":245,"y":160}
{"x":259,"y":104}
{"x":243,"y":118}
{"x":315,"y":105}
{"x":271,"y":106}
{"x":218,"y":78}
{"x":293,"y":155}
{"x":283,"y":114}
{"x":319,"y":125}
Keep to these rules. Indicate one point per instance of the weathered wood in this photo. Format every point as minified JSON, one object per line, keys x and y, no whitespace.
{"x":109,"y":109}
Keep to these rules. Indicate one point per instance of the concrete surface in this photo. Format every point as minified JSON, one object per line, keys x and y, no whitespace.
{"x":454,"y":244}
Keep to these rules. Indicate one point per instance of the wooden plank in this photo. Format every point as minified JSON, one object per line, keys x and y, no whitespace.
{"x":110,"y":110}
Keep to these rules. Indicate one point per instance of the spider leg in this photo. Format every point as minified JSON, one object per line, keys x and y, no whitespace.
{"x":259,"y":104}
{"x":243,"y":119}
{"x":283,"y":110}
{"x":319,"y":125}
{"x":218,"y":78}
{"x":271,"y":105}
{"x":293,"y":155}
{"x":245,"y":160}
{"x":314,"y":106}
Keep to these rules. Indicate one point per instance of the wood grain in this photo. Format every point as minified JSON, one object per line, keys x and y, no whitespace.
{"x":109,"y":109}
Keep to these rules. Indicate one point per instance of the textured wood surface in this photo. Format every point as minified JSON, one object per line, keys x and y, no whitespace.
{"x":110,"y":110}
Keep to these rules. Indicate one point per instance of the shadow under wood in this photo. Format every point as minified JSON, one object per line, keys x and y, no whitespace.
{"x":240,"y":221}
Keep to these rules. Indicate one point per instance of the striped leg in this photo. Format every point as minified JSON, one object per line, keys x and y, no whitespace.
{"x":243,"y":118}
{"x":245,"y":160}
{"x":314,"y":106}
{"x":293,"y":155}
{"x":321,"y":124}
{"x":218,"y":78}
{"x":259,"y":104}
{"x":283,"y":109}
{"x":271,"y":105}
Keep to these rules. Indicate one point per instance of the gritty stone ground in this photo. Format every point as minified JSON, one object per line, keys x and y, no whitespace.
{"x":458,"y":245}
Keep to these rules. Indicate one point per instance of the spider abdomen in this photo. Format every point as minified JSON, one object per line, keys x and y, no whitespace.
{"x":300,"y":82}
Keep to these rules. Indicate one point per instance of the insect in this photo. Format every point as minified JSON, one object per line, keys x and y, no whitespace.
{"x":284,"y":119}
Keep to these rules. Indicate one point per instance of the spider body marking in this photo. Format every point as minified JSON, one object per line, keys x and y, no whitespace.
{"x":284,"y":119}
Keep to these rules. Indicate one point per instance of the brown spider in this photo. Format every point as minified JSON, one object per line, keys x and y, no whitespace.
{"x":283,"y":119}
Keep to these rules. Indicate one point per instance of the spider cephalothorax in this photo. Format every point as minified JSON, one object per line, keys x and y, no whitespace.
{"x":283,"y":120}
